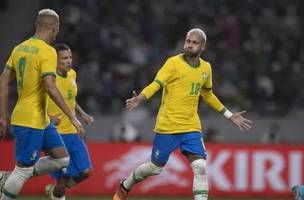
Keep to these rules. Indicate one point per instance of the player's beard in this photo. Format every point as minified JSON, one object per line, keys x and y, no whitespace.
{"x":192,"y":54}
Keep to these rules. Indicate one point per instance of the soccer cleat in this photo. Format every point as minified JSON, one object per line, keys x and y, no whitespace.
{"x":49,"y":190}
{"x":121,"y":192}
{"x":298,"y":192}
{"x":3,"y":177}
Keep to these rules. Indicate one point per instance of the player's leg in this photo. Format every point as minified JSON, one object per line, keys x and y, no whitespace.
{"x":84,"y":175}
{"x":28,"y":143}
{"x":57,"y":190}
{"x":57,"y":155}
{"x":3,"y":177}
{"x":79,"y":168}
{"x":194,"y":149}
{"x":163,"y":145}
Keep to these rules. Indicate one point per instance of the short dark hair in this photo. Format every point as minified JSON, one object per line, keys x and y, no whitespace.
{"x":61,"y":47}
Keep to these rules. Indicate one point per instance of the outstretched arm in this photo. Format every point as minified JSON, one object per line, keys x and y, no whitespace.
{"x":135,"y":100}
{"x":5,"y":78}
{"x":164,"y":75}
{"x":236,"y":118}
{"x":88,"y":119}
{"x":147,"y":93}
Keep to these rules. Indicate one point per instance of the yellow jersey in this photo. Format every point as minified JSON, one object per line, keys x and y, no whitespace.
{"x":182,"y":86}
{"x":31,"y":61}
{"x":68,"y":88}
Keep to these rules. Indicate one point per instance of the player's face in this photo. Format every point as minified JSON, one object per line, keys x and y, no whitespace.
{"x":194,"y":44}
{"x":64,"y":60}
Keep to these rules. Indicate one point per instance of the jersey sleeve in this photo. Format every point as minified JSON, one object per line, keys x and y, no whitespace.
{"x":208,"y":84}
{"x":166,"y":73}
{"x":150,"y":90}
{"x":9,"y":63}
{"x":48,"y":62}
{"x":208,"y":96}
{"x":73,"y":74}
{"x":163,"y":77}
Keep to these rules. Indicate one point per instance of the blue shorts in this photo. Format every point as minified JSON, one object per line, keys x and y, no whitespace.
{"x":79,"y":157}
{"x":30,"y":141}
{"x":164,"y":144}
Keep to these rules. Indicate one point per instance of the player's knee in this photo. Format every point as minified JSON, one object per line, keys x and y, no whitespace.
{"x":86,"y":173}
{"x":155,"y":170}
{"x":62,"y":162}
{"x":199,"y":166}
{"x":23,"y":172}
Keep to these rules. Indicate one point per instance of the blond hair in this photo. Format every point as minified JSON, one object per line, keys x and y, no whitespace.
{"x":46,"y":18}
{"x":200,"y":32}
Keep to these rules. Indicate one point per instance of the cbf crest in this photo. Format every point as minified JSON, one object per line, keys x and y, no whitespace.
{"x":204,"y":76}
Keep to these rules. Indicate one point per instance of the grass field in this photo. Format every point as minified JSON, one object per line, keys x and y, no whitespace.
{"x":146,"y":198}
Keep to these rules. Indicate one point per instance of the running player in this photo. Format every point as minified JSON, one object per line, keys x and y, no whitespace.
{"x":33,"y":64}
{"x":80,"y":165}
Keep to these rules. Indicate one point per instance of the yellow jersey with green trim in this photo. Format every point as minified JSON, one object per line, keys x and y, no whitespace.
{"x":31,"y":61}
{"x":182,"y":86}
{"x":68,"y":88}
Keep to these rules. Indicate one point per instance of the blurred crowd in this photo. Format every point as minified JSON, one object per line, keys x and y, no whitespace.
{"x":255,"y":48}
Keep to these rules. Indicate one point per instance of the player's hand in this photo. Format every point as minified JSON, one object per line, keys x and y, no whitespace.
{"x":56,"y":119}
{"x":78,"y":126}
{"x":3,"y":127}
{"x":243,"y":123}
{"x":132,"y":102}
{"x":88,"y":119}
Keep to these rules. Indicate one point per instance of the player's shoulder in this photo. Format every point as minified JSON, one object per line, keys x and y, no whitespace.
{"x":18,"y":46}
{"x":72,"y":73}
{"x":44,"y":48}
{"x":47,"y":48}
{"x":175,"y":58}
{"x":205,"y":63}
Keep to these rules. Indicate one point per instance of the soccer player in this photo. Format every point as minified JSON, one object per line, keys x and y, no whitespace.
{"x":184,"y":78}
{"x":80,"y":165}
{"x":33,"y":64}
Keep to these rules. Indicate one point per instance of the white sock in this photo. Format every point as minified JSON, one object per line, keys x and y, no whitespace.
{"x":3,"y":177}
{"x":140,"y":173}
{"x":4,"y":197}
{"x":15,"y":181}
{"x":200,"y":181}
{"x":46,"y":165}
{"x":55,"y":198}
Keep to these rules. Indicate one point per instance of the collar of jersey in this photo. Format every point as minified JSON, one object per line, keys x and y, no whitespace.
{"x":192,"y":66}
{"x":34,"y":37}
{"x":61,"y":75}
